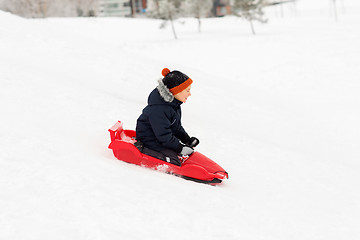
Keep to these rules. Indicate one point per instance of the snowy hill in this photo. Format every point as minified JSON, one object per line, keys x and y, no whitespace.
{"x":279,"y":111}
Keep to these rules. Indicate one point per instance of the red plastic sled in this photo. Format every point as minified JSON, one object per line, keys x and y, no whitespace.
{"x":197,"y":167}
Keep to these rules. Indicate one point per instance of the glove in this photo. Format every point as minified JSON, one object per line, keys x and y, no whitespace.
{"x":186,"y":150}
{"x":193,"y":142}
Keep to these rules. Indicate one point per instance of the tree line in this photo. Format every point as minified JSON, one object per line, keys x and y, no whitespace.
{"x":167,"y":10}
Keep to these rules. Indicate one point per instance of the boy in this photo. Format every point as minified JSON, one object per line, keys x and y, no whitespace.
{"x":159,"y":126}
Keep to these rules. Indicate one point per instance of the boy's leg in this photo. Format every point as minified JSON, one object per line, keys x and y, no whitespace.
{"x":166,"y":155}
{"x":153,"y":153}
{"x":171,"y":156}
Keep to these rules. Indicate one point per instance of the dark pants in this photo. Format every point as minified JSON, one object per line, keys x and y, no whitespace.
{"x":166,"y":155}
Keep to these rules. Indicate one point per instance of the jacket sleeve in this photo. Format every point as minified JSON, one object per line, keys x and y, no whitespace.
{"x":160,"y":124}
{"x":183,"y":136}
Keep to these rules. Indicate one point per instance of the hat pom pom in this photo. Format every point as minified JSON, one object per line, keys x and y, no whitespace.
{"x":165,"y":72}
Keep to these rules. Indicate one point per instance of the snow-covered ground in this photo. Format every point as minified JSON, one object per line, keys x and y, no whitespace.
{"x":279,"y":111}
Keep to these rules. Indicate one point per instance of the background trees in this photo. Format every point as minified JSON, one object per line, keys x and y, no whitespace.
{"x":26,"y":8}
{"x":45,"y":8}
{"x":170,"y":10}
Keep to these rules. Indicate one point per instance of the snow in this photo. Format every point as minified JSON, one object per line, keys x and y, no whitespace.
{"x":278,"y":110}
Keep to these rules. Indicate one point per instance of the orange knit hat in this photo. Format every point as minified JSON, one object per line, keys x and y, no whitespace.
{"x":176,"y":81}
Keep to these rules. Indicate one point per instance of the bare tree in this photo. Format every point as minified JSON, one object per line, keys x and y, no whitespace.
{"x":250,"y":10}
{"x":333,"y":6}
{"x":198,"y":9}
{"x":168,"y":10}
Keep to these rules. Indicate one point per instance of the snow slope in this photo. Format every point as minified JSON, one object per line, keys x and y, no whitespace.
{"x":279,"y":111}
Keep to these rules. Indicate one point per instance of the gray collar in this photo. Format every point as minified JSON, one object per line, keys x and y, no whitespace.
{"x":164,"y":91}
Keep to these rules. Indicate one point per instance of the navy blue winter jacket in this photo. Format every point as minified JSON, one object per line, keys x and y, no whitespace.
{"x":159,"y":126}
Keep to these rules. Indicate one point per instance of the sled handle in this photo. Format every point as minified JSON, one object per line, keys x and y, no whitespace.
{"x":117,"y":128}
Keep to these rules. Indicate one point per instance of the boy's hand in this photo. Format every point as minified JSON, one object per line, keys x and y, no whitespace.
{"x":193,"y":142}
{"x":186,"y":150}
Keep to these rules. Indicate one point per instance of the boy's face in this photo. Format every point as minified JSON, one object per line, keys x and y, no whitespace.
{"x":183,"y":96}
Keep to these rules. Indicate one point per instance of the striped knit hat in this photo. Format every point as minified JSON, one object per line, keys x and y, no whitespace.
{"x":175,"y":81}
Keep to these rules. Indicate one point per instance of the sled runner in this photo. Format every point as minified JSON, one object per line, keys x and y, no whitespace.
{"x":197,"y":167}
